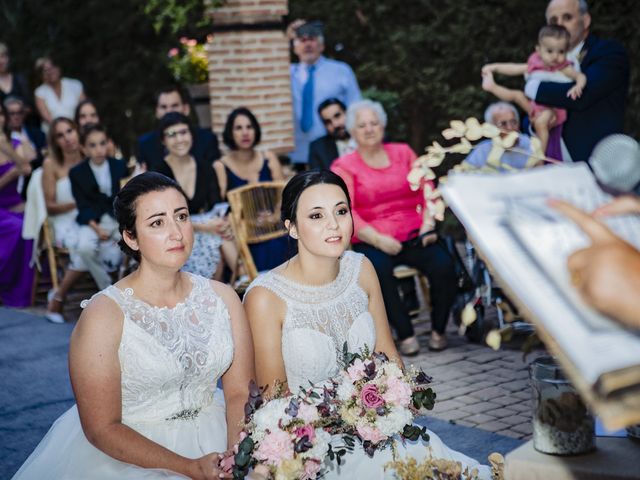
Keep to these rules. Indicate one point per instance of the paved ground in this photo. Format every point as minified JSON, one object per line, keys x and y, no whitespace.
{"x":477,"y":386}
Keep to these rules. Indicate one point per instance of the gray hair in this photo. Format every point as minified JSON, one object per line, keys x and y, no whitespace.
{"x":356,"y":107}
{"x":11,"y":99}
{"x":494,"y":107}
{"x":583,"y":6}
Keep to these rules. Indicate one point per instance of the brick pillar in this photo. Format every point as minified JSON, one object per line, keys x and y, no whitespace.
{"x":249,"y":66}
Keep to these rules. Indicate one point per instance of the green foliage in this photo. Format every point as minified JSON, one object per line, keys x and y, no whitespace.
{"x":112,"y":47}
{"x":188,"y":63}
{"x":422,"y":58}
{"x":176,"y":15}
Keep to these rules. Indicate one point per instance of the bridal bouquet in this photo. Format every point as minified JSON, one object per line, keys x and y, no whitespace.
{"x":379,"y":401}
{"x":294,"y":436}
{"x":289,"y":437}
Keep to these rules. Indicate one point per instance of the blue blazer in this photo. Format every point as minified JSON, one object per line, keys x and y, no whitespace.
{"x":599,"y":112}
{"x":91,"y":202}
{"x":151,"y":151}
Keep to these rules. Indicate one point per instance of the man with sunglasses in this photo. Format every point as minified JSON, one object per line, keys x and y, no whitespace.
{"x":337,"y":141}
{"x":504,"y":116}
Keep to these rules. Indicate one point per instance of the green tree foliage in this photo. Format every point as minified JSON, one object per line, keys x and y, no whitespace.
{"x":422,"y":58}
{"x":117,"y":50}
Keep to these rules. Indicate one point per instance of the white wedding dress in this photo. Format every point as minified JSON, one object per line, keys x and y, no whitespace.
{"x":318,"y":321}
{"x":170,"y":359}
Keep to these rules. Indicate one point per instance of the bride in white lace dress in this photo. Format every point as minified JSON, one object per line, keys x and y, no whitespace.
{"x":302,"y":312}
{"x":145,"y":358}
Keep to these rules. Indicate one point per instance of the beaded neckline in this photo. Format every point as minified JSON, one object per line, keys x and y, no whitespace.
{"x":129,"y":294}
{"x":308,"y":287}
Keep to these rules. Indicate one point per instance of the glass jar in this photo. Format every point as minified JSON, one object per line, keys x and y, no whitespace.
{"x":562,"y":425}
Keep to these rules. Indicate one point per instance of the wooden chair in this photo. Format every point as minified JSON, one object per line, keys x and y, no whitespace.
{"x":255,"y":218}
{"x":57,"y":258}
{"x":403,"y":271}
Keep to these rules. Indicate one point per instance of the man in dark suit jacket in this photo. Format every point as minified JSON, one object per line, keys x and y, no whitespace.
{"x":94,"y":184}
{"x":324,"y":150}
{"x":599,"y":112}
{"x":150,"y":149}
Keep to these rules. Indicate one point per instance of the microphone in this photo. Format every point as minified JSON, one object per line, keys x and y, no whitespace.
{"x":616,"y":163}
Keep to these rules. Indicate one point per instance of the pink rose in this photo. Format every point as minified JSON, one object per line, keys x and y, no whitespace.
{"x":371,"y":433}
{"x":370,"y":397}
{"x":398,"y":392}
{"x":356,"y":371}
{"x":191,"y":42}
{"x":311,"y":470}
{"x":307,"y":430}
{"x":173,"y":52}
{"x":274,"y":448}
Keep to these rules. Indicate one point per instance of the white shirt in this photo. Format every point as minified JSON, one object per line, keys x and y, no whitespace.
{"x":345,"y":146}
{"x":65,"y":105}
{"x":103,"y":176}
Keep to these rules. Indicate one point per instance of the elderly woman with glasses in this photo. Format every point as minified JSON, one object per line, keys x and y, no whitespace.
{"x":389,"y":227}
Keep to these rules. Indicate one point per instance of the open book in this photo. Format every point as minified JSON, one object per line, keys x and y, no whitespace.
{"x":525,"y":243}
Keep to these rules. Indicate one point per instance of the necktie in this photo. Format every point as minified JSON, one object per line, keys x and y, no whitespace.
{"x":307,"y":101}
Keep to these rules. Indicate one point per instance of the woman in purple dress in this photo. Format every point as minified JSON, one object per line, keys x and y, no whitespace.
{"x":16,"y":276}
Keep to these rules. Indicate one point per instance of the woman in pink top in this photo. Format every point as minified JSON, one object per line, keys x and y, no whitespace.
{"x":388,"y":223}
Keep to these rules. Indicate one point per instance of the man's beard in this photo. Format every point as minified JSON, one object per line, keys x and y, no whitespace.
{"x":340,"y":134}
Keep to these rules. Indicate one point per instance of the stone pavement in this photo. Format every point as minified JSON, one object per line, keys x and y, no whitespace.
{"x":477,"y":386}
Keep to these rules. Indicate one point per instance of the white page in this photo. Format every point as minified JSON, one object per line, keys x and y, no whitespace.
{"x":484,"y":204}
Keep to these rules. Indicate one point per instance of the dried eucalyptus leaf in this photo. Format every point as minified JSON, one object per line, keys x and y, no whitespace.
{"x":494,"y":339}
{"x":468,"y":314}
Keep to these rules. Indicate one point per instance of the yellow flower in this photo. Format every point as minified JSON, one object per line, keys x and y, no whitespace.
{"x":289,"y":469}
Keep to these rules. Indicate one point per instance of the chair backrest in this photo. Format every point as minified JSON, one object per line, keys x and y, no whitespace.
{"x":255,"y":217}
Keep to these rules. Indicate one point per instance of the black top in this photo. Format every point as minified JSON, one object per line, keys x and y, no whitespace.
{"x":207,"y":192}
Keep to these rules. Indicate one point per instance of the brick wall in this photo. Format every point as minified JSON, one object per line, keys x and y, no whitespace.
{"x":250,"y":67}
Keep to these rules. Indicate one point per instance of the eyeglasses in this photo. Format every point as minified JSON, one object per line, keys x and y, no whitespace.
{"x":507,"y":123}
{"x":177,"y":133}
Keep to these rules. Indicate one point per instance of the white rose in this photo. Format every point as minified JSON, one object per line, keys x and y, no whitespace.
{"x":345,"y":390}
{"x":269,"y":415}
{"x":320,"y":445}
{"x":394,"y":421}
{"x":391,"y":369}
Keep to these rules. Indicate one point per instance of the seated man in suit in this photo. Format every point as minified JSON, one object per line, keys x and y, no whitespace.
{"x":151,"y":151}
{"x":95,"y":183}
{"x":337,"y":141}
{"x":599,"y":112}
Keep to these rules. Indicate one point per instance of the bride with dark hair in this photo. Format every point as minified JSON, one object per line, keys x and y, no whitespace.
{"x":302,"y":312}
{"x":145,"y":358}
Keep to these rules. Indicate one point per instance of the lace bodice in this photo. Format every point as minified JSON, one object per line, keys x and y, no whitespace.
{"x":171,"y":358}
{"x":319,"y":319}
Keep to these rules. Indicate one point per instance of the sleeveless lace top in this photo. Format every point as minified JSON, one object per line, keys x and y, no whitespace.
{"x":171,"y":358}
{"x":319,"y":319}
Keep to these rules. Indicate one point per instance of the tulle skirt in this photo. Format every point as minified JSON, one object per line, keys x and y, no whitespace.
{"x":358,"y":465}
{"x":65,"y":453}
